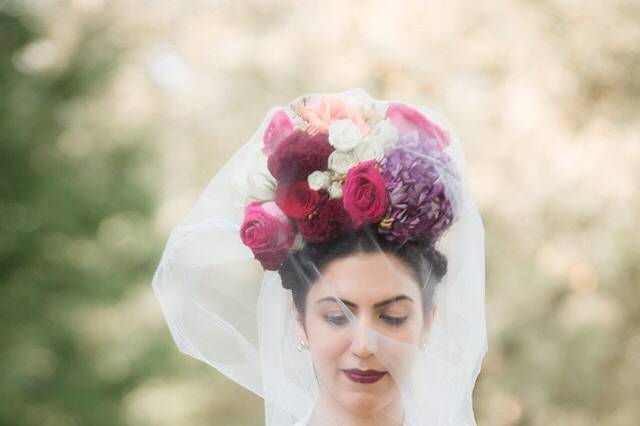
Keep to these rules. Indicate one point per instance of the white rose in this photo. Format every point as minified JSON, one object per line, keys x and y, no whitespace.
{"x":384,"y":133}
{"x":319,"y":180}
{"x":370,"y":149}
{"x":262,"y":186}
{"x":341,"y":162}
{"x":344,"y":135}
{"x":335,"y":190}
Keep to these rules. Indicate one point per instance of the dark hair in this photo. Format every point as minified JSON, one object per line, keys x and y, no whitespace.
{"x":301,"y":269}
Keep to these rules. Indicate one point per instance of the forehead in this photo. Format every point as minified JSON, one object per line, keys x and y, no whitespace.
{"x":365,"y":278}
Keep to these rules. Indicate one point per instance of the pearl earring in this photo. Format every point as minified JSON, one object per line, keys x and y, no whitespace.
{"x":301,"y":346}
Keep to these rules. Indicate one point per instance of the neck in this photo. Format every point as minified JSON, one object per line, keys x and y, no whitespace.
{"x":328,"y":412}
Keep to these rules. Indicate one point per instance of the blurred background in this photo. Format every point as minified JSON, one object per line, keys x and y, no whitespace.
{"x":114,"y":115}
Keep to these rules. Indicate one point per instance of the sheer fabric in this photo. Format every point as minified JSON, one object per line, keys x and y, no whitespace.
{"x":224,"y":309}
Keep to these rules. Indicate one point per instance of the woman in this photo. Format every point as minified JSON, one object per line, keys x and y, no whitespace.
{"x":368,"y":306}
{"x":381,"y":285}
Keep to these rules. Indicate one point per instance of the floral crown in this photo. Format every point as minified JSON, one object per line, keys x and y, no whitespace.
{"x":334,"y":167}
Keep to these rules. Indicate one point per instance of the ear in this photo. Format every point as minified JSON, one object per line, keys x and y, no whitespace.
{"x":428,"y":323}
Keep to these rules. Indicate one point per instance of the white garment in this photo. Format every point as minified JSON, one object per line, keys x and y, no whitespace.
{"x":305,"y":422}
{"x":307,"y":418}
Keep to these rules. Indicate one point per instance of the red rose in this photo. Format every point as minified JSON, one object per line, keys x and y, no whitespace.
{"x":406,"y":119}
{"x":364,"y":194}
{"x":297,"y":156}
{"x":268,"y":232}
{"x":296,"y":199}
{"x":330,"y":220}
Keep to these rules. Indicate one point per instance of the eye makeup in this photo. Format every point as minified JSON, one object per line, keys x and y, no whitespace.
{"x":336,"y":319}
{"x":391,"y":320}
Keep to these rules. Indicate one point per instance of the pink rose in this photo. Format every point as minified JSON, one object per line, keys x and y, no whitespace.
{"x":278,"y":129}
{"x":268,"y":232}
{"x":329,"y":109}
{"x":406,"y":119}
{"x":365,"y":197}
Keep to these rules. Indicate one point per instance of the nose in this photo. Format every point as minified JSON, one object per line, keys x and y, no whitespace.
{"x":364,"y":341}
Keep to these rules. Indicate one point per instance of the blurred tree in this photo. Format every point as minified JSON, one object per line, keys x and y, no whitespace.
{"x":571,"y":357}
{"x":71,"y":200}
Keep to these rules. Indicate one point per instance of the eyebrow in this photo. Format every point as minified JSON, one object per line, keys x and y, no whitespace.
{"x":376,"y":305}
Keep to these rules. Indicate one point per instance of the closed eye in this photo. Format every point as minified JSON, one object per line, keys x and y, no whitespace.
{"x":394,"y":321}
{"x":342,"y":319}
{"x":336,"y":319}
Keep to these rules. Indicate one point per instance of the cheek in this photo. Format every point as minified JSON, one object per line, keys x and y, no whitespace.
{"x":414,"y":331}
{"x":327,"y":344}
{"x":400,"y":343}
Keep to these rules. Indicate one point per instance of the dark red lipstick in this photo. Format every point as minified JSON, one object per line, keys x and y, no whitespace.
{"x":364,"y":376}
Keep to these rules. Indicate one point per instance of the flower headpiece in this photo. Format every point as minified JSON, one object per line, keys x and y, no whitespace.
{"x":334,"y":167}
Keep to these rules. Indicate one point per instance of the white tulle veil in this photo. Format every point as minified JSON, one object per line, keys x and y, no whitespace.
{"x":224,"y":309}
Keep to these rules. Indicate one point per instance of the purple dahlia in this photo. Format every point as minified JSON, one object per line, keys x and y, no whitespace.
{"x":419,"y":205}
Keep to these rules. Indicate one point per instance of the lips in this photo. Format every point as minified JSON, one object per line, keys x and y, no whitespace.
{"x":364,"y":376}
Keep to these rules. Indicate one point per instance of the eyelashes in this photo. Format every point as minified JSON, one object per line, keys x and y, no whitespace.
{"x":336,"y":319}
{"x":342,"y":320}
{"x":394,"y":321}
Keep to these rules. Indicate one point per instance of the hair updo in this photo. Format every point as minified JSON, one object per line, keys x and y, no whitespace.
{"x":301,"y":269}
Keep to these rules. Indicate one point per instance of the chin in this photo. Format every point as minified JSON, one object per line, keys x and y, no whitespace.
{"x":365,"y":402}
{"x":365,"y":406}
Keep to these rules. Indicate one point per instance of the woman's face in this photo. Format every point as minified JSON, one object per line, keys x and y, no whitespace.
{"x":387,"y":326}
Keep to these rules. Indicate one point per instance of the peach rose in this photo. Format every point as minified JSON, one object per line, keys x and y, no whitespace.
{"x":329,"y":109}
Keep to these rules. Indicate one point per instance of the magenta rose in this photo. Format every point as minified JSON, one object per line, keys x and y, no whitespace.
{"x":406,"y":119}
{"x":278,"y":129}
{"x":364,"y":195}
{"x":268,"y":232}
{"x":297,"y":199}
